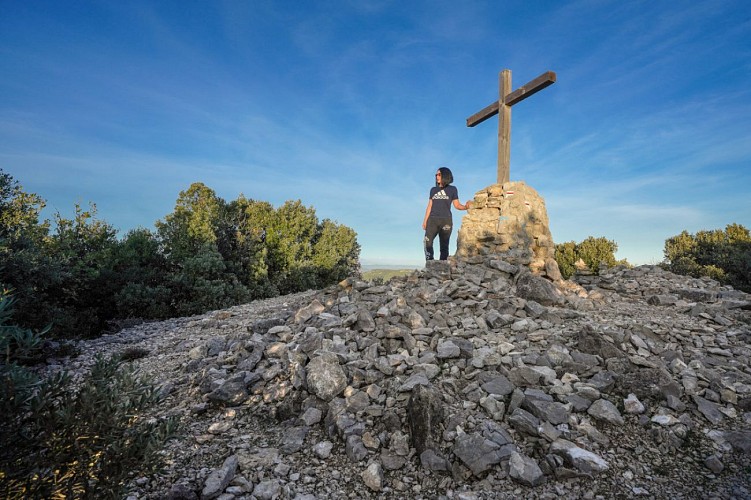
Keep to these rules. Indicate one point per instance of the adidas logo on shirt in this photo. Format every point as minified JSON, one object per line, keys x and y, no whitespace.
{"x":440,"y":195}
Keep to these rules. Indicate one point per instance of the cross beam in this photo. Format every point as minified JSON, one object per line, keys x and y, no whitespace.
{"x":502,"y":108}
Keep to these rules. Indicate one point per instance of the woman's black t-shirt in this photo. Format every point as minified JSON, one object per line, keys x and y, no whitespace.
{"x":442,"y":198}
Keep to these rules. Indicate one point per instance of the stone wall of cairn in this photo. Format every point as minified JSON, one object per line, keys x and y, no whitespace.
{"x":509,"y":221}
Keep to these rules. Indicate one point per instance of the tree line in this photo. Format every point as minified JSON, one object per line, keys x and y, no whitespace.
{"x":76,"y":275}
{"x":724,"y":255}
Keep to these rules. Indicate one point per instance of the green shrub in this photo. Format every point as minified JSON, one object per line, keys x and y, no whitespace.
{"x":142,"y":274}
{"x":62,"y":442}
{"x":593,"y":251}
{"x":721,"y":255}
{"x":138,"y":300}
{"x":17,"y":345}
{"x":381,"y":276}
{"x":203,"y":284}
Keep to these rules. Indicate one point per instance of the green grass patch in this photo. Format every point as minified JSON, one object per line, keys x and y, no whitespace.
{"x":383,"y":275}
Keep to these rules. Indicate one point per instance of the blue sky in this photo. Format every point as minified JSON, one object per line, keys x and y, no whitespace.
{"x":350,"y":106}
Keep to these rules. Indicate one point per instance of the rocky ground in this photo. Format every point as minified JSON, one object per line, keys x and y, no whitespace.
{"x":475,"y":380}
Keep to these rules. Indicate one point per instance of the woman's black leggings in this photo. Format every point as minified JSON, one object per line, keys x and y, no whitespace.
{"x":442,"y":227}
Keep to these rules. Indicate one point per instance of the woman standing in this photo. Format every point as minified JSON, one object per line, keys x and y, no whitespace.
{"x":438,"y":214}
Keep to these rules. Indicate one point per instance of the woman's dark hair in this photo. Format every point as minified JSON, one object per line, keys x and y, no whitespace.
{"x":446,"y":176}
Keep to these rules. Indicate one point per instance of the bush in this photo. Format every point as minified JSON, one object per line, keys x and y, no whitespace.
{"x":142,"y":276}
{"x":61,"y":441}
{"x":24,"y":264}
{"x":203,"y":284}
{"x":138,"y":300}
{"x":721,"y":255}
{"x":593,"y":251}
{"x":17,"y":345}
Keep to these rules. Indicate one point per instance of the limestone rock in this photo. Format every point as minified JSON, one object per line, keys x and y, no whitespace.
{"x":305,"y":313}
{"x":477,"y":453}
{"x":373,"y":477}
{"x":525,"y":470}
{"x":268,"y":489}
{"x":739,"y":440}
{"x":604,"y":410}
{"x":433,"y":461}
{"x":325,"y":377}
{"x":533,"y":287}
{"x":323,"y":449}
{"x":294,"y":439}
{"x":425,"y":414}
{"x":579,"y":458}
{"x":525,"y":422}
{"x":220,"y":478}
{"x":632,"y":404}
{"x":710,"y":410}
{"x":499,"y":385}
{"x":355,"y":448}
{"x":232,"y":392}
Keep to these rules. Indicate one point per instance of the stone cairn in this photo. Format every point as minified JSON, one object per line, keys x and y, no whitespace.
{"x":509,"y":221}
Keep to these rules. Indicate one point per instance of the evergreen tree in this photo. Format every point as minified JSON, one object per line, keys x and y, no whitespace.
{"x":254,"y":220}
{"x":203,"y":284}
{"x":290,"y":242}
{"x":194,"y":222}
{"x":142,"y":272}
{"x":83,"y":249}
{"x":24,"y":265}
{"x":336,"y":253}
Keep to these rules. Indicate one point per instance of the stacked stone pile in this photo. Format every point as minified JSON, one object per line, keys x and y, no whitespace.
{"x":470,"y":379}
{"x":509,"y":221}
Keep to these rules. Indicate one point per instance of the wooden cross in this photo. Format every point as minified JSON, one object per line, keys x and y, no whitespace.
{"x":502,"y":108}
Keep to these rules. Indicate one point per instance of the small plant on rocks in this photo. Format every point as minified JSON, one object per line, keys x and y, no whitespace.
{"x":66,"y":440}
{"x":17,"y":344}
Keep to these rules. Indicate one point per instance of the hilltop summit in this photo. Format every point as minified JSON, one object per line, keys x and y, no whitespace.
{"x":473,"y":378}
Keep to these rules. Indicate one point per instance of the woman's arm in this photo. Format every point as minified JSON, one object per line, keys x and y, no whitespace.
{"x":459,"y":206}
{"x":427,"y":214}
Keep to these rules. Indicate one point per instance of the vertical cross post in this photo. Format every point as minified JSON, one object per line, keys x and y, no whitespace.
{"x":502,"y":108}
{"x":504,"y":128}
